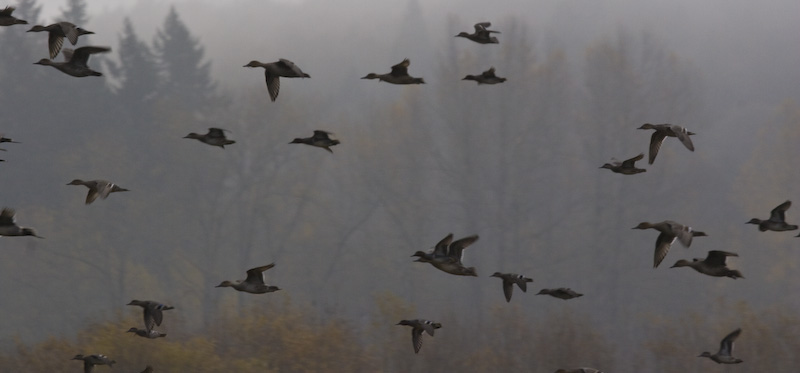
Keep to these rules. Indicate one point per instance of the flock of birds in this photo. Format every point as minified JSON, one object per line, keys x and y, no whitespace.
{"x":446,"y":255}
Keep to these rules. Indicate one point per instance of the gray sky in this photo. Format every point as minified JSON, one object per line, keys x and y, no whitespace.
{"x":744,"y":54}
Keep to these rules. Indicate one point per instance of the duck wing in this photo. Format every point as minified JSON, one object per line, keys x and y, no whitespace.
{"x":273,"y":84}
{"x":508,"y":289}
{"x":54,"y":44}
{"x":684,"y":233}
{"x":87,"y":366}
{"x":717,"y":257}
{"x":523,"y":284}
{"x":778,"y":214}
{"x":401,"y":69}
{"x":216,"y":133}
{"x":456,"y":248}
{"x":320,"y":135}
{"x":481,"y":28}
{"x":683,"y":135}
{"x":70,"y":31}
{"x":427,"y":326}
{"x":7,"y":216}
{"x":440,"y":250}
{"x":81,"y":55}
{"x":7,"y":11}
{"x":630,"y":163}
{"x":153,"y":315}
{"x":256,"y":276}
{"x":416,"y":338}
{"x":92,"y":195}
{"x":663,"y":243}
{"x":290,"y":68}
{"x":655,"y":143}
{"x":726,"y":346}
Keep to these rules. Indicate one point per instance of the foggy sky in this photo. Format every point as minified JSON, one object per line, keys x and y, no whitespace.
{"x":746,"y":53}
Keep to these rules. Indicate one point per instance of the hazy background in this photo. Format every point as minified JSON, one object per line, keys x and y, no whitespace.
{"x":516,"y":163}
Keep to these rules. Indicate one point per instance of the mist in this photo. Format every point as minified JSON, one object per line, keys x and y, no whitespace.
{"x":516,"y":163}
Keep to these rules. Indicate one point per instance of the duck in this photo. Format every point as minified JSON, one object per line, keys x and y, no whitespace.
{"x":626,"y":167}
{"x":90,"y":361}
{"x":76,"y":61}
{"x":398,"y":75}
{"x":151,"y":334}
{"x":254,"y":284}
{"x":57,"y":32}
{"x":509,"y":279}
{"x":486,"y":77}
{"x":147,"y":369}
{"x":6,"y":139}
{"x":670,"y":231}
{"x":152,"y":312}
{"x":712,"y":265}
{"x":98,"y":188}
{"x":274,"y":70}
{"x":321,"y":139}
{"x":560,"y":293}
{"x":579,"y":370}
{"x":9,"y":227}
{"x":481,"y":34}
{"x":214,"y":137}
{"x":776,"y":221}
{"x":662,"y":131}
{"x":6,"y":19}
{"x":723,"y":356}
{"x":451,"y":262}
{"x":419,"y":326}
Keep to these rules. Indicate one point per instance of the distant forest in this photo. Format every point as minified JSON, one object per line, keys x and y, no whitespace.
{"x":517,"y":163}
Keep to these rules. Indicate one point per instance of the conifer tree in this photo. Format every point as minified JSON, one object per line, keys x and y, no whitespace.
{"x":75,"y":13}
{"x":186,"y":79}
{"x":137,"y":74}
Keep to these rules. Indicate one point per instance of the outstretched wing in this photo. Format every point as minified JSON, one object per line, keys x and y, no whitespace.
{"x":401,"y":69}
{"x":630,"y":163}
{"x":256,"y":276}
{"x":457,"y":247}
{"x":779,"y":213}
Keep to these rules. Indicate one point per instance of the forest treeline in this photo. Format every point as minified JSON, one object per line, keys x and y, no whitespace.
{"x":282,"y":336}
{"x":516,"y":163}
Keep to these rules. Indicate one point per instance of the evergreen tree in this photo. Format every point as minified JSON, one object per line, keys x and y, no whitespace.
{"x":75,"y":13}
{"x":137,"y":74}
{"x":186,"y":80}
